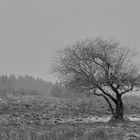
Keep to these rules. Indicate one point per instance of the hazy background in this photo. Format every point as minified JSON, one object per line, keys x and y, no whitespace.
{"x":31,"y":30}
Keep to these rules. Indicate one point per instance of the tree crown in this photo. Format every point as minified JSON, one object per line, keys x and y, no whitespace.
{"x":97,"y":64}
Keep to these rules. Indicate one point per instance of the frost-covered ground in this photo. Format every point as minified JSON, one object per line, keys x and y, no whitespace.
{"x":37,"y":118}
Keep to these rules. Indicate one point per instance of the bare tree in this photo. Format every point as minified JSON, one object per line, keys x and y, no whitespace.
{"x":102,"y":67}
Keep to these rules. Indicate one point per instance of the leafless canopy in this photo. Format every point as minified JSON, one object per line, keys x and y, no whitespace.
{"x":100,"y":66}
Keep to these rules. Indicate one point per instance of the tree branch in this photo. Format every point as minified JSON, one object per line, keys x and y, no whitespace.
{"x":114,"y":89}
{"x":109,"y":103}
{"x":130,"y":89}
{"x":107,"y":94}
{"x":107,"y":100}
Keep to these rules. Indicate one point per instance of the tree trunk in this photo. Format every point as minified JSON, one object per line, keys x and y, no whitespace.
{"x":119,"y":110}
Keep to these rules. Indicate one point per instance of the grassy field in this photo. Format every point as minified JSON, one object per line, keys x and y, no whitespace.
{"x":79,"y":131}
{"x":31,"y":118}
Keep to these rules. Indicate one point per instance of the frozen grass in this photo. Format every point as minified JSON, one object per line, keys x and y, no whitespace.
{"x":79,"y":131}
{"x":16,"y":120}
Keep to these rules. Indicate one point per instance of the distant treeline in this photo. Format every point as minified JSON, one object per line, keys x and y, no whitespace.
{"x":29,"y":85}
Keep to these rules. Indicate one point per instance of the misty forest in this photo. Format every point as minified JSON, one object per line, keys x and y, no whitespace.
{"x":96,"y":96}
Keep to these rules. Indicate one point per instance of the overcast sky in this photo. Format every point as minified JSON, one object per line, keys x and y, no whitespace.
{"x":31,"y":30}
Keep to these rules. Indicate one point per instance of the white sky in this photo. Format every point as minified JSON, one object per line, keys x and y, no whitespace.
{"x":31,"y":30}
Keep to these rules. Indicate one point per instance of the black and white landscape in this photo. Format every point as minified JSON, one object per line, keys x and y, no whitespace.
{"x":69,"y":70}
